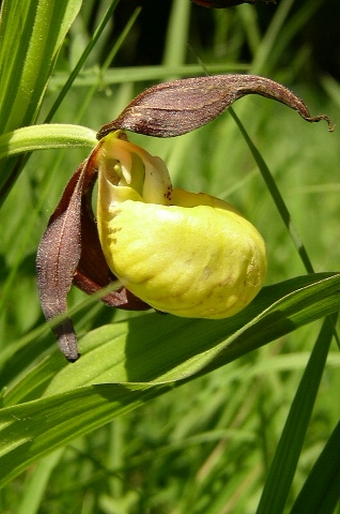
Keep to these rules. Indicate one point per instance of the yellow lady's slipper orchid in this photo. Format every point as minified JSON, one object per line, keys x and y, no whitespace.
{"x":187,"y":254}
{"x":183,"y":253}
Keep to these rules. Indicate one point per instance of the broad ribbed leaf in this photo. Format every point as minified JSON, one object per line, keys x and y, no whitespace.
{"x":134,"y":361}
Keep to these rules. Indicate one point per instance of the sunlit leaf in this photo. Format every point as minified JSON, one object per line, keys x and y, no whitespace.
{"x":135,"y":361}
{"x":26,"y":64}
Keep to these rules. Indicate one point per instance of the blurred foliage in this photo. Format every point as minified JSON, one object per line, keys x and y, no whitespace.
{"x":315,"y":25}
{"x":208,"y":446}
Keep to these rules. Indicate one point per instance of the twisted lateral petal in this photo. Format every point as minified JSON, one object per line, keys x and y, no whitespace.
{"x":70,"y":252}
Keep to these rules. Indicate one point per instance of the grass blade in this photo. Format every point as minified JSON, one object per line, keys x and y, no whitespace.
{"x":42,"y":27}
{"x":99,"y":30}
{"x":321,"y":492}
{"x":26,"y":64}
{"x":276,"y":195}
{"x":35,"y":488}
{"x":284,"y":464}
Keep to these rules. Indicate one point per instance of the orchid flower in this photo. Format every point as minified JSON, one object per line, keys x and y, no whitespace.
{"x":151,"y":245}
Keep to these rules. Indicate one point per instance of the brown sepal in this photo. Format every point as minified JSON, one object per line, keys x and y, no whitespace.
{"x":57,"y":258}
{"x":70,"y":252}
{"x":177,"y":107}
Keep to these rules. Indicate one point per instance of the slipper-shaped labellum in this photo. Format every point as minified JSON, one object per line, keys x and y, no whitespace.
{"x":182,"y":253}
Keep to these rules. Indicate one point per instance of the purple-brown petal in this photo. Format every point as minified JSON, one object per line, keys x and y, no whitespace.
{"x":70,"y":253}
{"x":57,"y":258}
{"x":177,"y":107}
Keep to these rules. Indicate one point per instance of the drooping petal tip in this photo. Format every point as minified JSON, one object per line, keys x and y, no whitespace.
{"x":174,"y":108}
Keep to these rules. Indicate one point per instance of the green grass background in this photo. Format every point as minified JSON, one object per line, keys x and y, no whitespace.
{"x":207,"y":446}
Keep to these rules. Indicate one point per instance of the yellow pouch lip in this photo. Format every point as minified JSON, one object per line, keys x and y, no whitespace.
{"x":184,"y":253}
{"x":180,"y":258}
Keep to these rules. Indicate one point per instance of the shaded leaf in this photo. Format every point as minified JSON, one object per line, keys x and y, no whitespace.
{"x":174,"y":108}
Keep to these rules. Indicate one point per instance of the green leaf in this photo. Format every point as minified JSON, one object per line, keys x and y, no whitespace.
{"x":282,"y":470}
{"x":321,"y":493}
{"x":33,"y":429}
{"x":31,"y":35}
{"x":45,"y":137}
{"x":26,"y":62}
{"x":132,"y":362}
